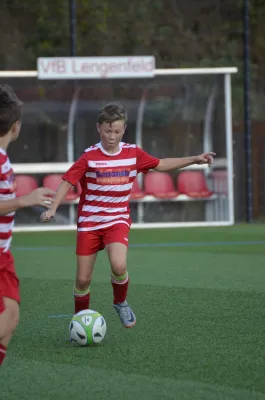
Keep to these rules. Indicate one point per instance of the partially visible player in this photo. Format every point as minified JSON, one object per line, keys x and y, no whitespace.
{"x":10,"y":123}
{"x":106,"y":173}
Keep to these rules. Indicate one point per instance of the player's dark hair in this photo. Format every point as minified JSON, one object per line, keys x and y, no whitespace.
{"x":112,"y":112}
{"x":10,"y":109}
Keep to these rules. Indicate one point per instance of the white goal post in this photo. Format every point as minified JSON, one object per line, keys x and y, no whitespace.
{"x":218,"y":209}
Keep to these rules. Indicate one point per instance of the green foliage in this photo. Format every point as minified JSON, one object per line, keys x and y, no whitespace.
{"x":175,"y":35}
{"x":179,"y":34}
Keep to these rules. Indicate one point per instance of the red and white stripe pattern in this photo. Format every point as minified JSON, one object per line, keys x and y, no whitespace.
{"x":7,"y":192}
{"x":107,"y":181}
{"x":108,"y":184}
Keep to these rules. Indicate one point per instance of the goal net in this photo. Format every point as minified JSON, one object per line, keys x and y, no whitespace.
{"x":175,"y":113}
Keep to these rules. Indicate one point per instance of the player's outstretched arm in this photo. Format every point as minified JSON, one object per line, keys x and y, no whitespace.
{"x":168,"y":164}
{"x":59,"y":198}
{"x":39,"y":197}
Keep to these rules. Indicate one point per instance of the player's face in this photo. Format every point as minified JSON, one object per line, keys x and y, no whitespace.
{"x":111,"y":134}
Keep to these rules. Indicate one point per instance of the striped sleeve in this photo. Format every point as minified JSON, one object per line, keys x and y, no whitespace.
{"x":145,"y":162}
{"x":77,"y":170}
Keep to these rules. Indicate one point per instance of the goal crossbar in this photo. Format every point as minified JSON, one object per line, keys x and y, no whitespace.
{"x":157,"y":72}
{"x":62,"y":167}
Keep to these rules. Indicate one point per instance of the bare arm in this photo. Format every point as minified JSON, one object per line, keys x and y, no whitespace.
{"x":41,"y":197}
{"x":168,"y":164}
{"x":60,"y":195}
{"x":8,"y":206}
{"x":59,"y":198}
{"x":70,"y":178}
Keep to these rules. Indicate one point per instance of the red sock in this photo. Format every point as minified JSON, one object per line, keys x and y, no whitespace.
{"x":81,"y":302}
{"x":120,"y":288}
{"x":2,"y":353}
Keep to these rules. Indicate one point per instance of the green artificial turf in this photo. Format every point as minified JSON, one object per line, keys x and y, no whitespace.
{"x":200,"y":309}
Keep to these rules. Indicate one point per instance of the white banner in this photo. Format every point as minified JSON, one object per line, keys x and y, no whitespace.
{"x":96,"y":67}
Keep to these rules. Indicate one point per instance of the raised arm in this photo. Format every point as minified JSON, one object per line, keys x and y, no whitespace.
{"x":168,"y":164}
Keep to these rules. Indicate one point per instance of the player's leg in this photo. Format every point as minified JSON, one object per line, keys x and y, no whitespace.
{"x":9,"y":308}
{"x":116,"y":242}
{"x":117,"y":253}
{"x":9,"y":319}
{"x":88,"y":245}
{"x":84,"y":271}
{"x":4,"y":316}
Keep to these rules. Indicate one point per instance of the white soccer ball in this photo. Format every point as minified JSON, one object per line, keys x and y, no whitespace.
{"x":87,"y":327}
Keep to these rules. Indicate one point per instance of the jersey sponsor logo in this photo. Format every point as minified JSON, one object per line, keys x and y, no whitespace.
{"x":112,"y":177}
{"x":99,"y":164}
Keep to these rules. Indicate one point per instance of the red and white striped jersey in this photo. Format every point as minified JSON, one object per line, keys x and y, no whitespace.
{"x":7,"y":192}
{"x":106,"y":181}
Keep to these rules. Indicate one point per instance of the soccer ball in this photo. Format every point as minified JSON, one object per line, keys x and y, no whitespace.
{"x":87,"y":327}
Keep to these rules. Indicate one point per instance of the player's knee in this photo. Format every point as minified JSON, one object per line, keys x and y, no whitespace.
{"x":15,"y":318}
{"x":119,"y":267}
{"x":82,"y":283}
{"x":14,"y":315}
{"x":9,"y":318}
{"x":3,"y":326}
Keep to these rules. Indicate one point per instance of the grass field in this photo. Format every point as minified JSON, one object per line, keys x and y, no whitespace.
{"x":199,"y":297}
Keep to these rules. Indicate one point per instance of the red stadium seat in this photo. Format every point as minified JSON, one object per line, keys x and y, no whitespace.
{"x":136,"y":191}
{"x":160,"y":185}
{"x":25,"y":184}
{"x":193,"y":184}
{"x":53,"y":181}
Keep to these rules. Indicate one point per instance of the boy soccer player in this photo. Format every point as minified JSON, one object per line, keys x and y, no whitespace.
{"x":106,"y":172}
{"x":10,"y":123}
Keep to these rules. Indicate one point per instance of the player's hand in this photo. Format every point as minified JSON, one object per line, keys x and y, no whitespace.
{"x":205,"y":158}
{"x":39,"y":197}
{"x":47,"y":215}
